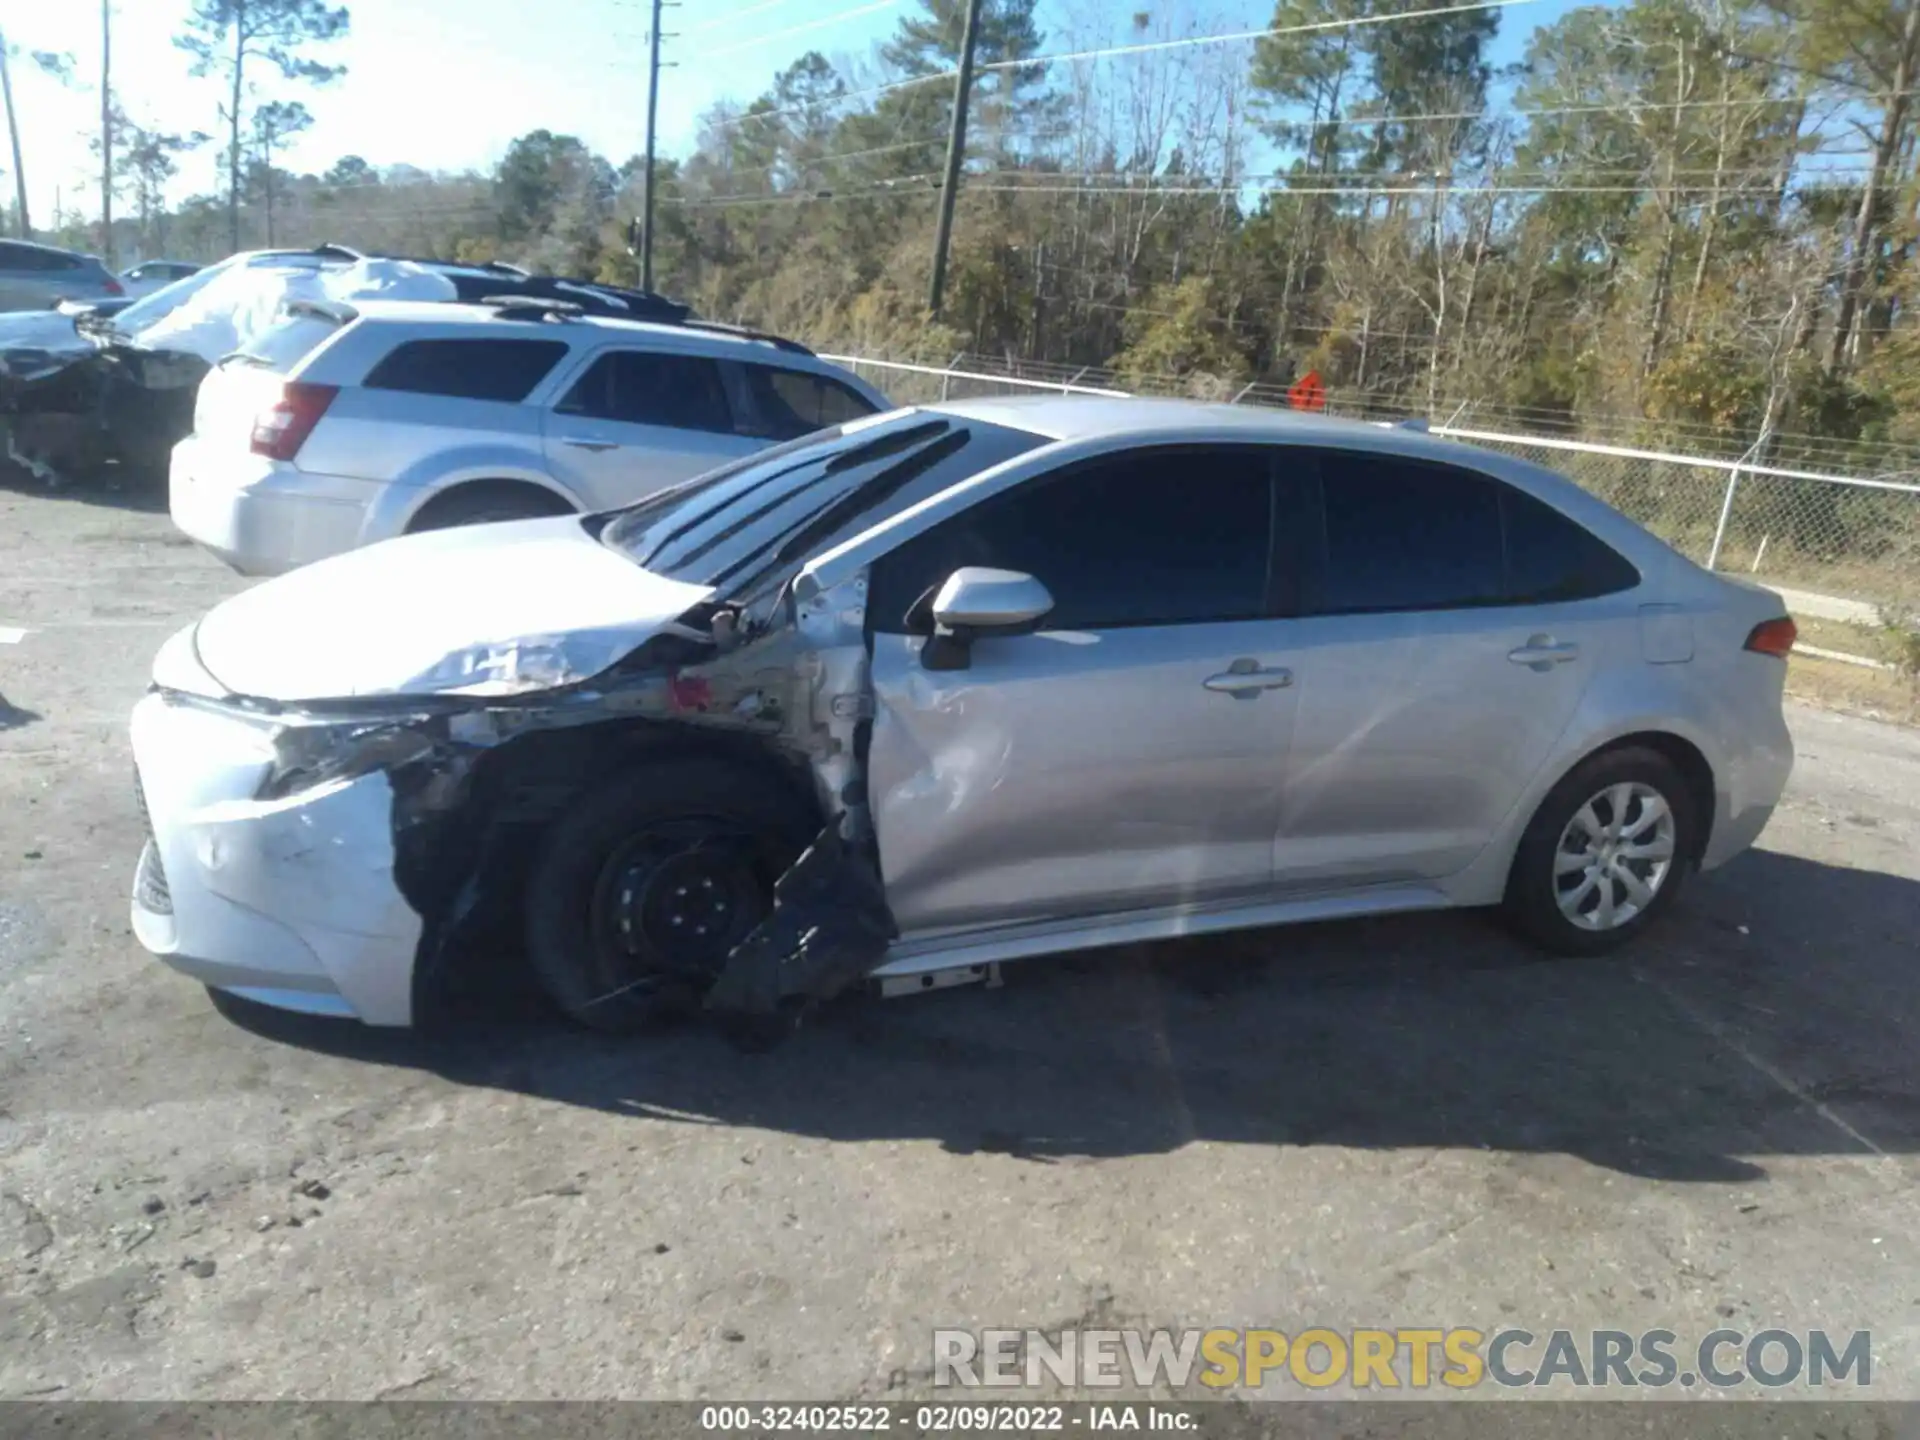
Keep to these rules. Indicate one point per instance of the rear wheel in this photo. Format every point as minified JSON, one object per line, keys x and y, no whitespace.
{"x":1606,"y":852}
{"x":486,"y":502}
{"x":639,"y":894}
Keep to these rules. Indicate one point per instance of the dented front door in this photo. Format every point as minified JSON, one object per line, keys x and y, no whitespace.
{"x":1130,"y":755}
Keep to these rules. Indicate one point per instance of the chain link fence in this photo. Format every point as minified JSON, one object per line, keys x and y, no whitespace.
{"x":1850,"y":542}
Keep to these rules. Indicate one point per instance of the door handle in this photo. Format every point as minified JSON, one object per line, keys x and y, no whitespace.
{"x":594,"y":445}
{"x":1244,"y":679}
{"x":1542,"y":653}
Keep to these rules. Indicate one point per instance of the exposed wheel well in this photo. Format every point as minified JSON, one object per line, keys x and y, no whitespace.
{"x":464,"y":866}
{"x":474,"y":497}
{"x":1693,"y":768}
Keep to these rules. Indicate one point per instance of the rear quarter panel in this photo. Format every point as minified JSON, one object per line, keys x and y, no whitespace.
{"x":1724,"y":700}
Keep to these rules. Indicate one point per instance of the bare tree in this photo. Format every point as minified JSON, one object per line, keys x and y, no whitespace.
{"x":59,"y":66}
{"x":106,"y":132}
{"x":223,"y":36}
{"x":275,"y":123}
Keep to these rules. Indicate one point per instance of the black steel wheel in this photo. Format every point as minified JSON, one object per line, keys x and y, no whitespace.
{"x":639,"y":894}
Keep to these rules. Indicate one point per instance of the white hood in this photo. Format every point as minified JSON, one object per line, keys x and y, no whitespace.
{"x":479,"y":610}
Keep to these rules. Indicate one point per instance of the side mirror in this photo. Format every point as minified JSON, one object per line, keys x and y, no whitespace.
{"x":975,"y":602}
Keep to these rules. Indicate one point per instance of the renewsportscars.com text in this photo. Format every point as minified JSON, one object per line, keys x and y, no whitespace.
{"x":1403,"y":1359}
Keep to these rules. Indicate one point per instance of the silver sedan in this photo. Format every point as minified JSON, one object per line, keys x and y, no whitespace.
{"x":947,"y":687}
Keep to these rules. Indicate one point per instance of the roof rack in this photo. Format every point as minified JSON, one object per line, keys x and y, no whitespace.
{"x":532,"y":307}
{"x":745,"y":332}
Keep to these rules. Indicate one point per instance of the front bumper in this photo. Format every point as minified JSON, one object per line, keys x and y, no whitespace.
{"x":261,"y":516}
{"x":291,"y":901}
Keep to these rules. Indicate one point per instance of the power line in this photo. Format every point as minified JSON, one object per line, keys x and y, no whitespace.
{"x":732,"y":17}
{"x":905,"y":184}
{"x":974,"y":185}
{"x":834,"y":19}
{"x":1079,"y":55}
{"x":833,"y":157}
{"x":1151,"y":46}
{"x":1112,"y":182}
{"x":1427,"y":180}
{"x":1537,"y":112}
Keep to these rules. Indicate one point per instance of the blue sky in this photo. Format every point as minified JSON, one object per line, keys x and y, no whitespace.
{"x":448,"y":84}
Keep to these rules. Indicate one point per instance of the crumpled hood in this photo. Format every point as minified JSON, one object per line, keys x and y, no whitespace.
{"x":479,"y":610}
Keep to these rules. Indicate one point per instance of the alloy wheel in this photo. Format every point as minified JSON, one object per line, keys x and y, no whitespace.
{"x":1614,"y":856}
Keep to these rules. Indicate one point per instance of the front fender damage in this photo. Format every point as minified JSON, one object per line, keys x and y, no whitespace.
{"x":790,"y":697}
{"x":829,"y":926}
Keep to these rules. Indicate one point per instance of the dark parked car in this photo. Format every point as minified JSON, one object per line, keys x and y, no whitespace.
{"x":38,"y":277}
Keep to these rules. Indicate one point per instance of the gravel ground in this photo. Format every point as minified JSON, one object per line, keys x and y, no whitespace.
{"x":1402,"y":1122}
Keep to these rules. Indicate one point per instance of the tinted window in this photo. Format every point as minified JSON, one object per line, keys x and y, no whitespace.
{"x":1550,"y":557}
{"x":640,"y":387}
{"x":1163,"y":538}
{"x":29,"y":257}
{"x":804,"y":497}
{"x":783,"y":404}
{"x":1407,"y":536}
{"x":469,"y":369}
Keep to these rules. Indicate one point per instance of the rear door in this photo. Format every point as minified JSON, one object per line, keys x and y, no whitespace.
{"x":775,"y":403}
{"x":1129,"y":754}
{"x":638,"y":420}
{"x":1452,"y":625}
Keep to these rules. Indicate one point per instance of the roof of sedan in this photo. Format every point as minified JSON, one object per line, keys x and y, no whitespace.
{"x":1074,"y":417}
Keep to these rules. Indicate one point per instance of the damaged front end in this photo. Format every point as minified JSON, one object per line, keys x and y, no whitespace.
{"x":74,"y":403}
{"x":481,"y":771}
{"x":684,"y":674}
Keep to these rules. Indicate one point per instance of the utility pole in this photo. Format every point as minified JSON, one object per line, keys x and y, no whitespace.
{"x":653,"y":115}
{"x":106,"y":132}
{"x":13,"y":131}
{"x":956,"y":152}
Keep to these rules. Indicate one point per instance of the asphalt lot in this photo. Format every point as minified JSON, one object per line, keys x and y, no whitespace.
{"x":1400,"y":1122}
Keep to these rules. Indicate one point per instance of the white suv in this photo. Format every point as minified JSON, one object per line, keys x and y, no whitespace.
{"x":350,"y":424}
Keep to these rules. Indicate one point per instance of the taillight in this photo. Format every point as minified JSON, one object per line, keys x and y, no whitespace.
{"x":282,"y":428}
{"x":114,"y":287}
{"x":1774,"y":637}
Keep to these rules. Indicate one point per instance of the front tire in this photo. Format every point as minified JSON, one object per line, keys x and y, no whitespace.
{"x":639,"y":893}
{"x":1606,"y":852}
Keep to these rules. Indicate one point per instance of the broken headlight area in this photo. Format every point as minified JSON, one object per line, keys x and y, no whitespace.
{"x":304,"y":752}
{"x":524,"y":666}
{"x":309,"y":755}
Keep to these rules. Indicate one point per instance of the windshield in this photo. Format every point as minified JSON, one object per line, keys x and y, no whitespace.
{"x":733,"y":527}
{"x":168,"y":298}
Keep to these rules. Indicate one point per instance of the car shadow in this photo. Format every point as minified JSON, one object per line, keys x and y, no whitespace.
{"x":1670,"y":1061}
{"x":16,"y":717}
{"x":112,"y":487}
